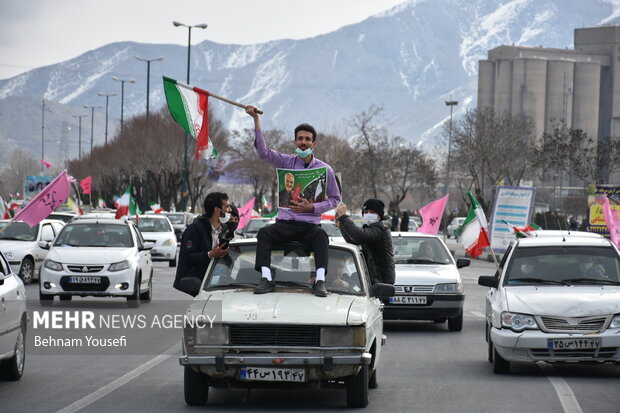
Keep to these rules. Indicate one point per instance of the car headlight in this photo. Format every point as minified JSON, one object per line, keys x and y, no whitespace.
{"x":453,"y":288}
{"x":518,"y":322}
{"x":52,"y":265}
{"x":211,"y":334}
{"x":343,"y":337}
{"x":9,"y":255}
{"x":615,"y":322}
{"x":169,"y":242}
{"x":119,"y":266}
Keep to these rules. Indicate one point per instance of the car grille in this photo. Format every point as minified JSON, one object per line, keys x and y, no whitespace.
{"x":596,"y":354}
{"x":578,"y":324}
{"x":85,"y":268}
{"x":68,"y":286}
{"x":274,"y":335}
{"x":414,"y":289}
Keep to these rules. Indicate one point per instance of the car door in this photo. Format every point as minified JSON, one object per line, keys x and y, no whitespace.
{"x":12,"y":305}
{"x":144,"y":257}
{"x":46,"y":233}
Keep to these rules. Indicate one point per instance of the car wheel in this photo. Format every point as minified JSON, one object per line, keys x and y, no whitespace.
{"x":133,"y":301}
{"x":66,"y":297}
{"x":196,"y":387}
{"x":147,"y":295}
{"x":26,"y":271}
{"x":500,"y":365}
{"x":172,"y":262}
{"x":45,"y":300}
{"x":372,"y":383}
{"x":456,"y":323}
{"x":357,"y":388}
{"x":13,"y":368}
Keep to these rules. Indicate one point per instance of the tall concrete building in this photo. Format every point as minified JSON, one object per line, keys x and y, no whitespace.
{"x":581,"y":86}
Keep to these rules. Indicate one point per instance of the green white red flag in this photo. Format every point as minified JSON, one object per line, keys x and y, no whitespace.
{"x":473,"y":234}
{"x":4,"y":210}
{"x":127,"y":205}
{"x":188,"y":105}
{"x":523,"y":232}
{"x":156,"y":208}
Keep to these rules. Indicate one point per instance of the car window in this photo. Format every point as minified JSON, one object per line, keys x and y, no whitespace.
{"x":330,"y":229}
{"x":292,"y":267}
{"x":4,"y":267}
{"x":574,"y":265}
{"x":18,"y":231}
{"x":94,"y":235}
{"x":419,"y":250}
{"x":139,"y":238}
{"x":176,"y":218}
{"x":255,"y":224}
{"x":146,"y":224}
{"x":47,"y":233}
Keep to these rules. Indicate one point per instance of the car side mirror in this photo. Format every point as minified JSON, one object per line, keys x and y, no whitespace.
{"x":381,"y":290}
{"x":44,"y":245}
{"x":190,"y":285}
{"x":147,"y":246}
{"x":488,"y":281}
{"x":462,"y":262}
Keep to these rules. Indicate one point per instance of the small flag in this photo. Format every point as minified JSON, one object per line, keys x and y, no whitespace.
{"x":46,"y":201}
{"x":74,"y":207}
{"x":101,"y":203}
{"x":4,"y":210}
{"x":613,"y":222}
{"x":188,"y":106}
{"x":86,"y":185}
{"x":266,"y":203}
{"x":127,"y":205}
{"x":245,"y":213}
{"x":46,"y":164}
{"x":473,"y":234}
{"x":431,"y":216}
{"x":155,"y":207}
{"x":522,"y":232}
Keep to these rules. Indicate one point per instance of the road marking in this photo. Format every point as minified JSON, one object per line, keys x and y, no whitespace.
{"x":565,"y":394}
{"x":477,"y":314}
{"x":126,"y":378}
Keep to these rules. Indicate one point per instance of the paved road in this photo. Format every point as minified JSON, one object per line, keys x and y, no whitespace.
{"x":425,"y":368}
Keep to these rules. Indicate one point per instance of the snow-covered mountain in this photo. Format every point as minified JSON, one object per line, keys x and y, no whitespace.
{"x":409,"y":59}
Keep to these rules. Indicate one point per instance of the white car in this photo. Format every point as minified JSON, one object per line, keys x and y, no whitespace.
{"x":251,"y":228}
{"x":179,"y":221}
{"x":428,"y":283}
{"x":157,"y":229}
{"x":555,"y":299}
{"x":288,"y":338}
{"x":20,"y":245}
{"x":453,"y":226}
{"x":13,"y":323}
{"x":98,"y":257}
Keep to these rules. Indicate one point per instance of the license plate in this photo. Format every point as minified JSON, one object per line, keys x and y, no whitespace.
{"x":85,"y":280}
{"x":269,"y":374}
{"x":573,"y":343}
{"x":411,"y":299}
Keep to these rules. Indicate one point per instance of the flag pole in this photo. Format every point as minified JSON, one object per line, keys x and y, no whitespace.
{"x":232,"y":102}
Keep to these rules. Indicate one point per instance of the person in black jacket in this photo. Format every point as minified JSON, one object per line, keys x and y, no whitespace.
{"x":374,"y":237}
{"x":404,"y":222}
{"x":197,"y":246}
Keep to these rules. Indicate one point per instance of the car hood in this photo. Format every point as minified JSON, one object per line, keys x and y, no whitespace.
{"x":243,"y":306}
{"x":422,"y":274}
{"x":88,"y":255}
{"x":566,"y":301}
{"x":158,"y":236}
{"x":11,"y":245}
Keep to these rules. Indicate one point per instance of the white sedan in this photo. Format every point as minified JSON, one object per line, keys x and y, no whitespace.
{"x":157,"y":229}
{"x":13,"y":323}
{"x":555,"y":299}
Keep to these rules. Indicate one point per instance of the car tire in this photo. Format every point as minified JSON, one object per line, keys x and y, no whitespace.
{"x":373,"y":383}
{"x":146,"y":296}
{"x":357,"y":388}
{"x":45,"y":300}
{"x":172,"y":262}
{"x":196,"y":387}
{"x":500,"y":365}
{"x":133,"y":301}
{"x":13,"y":368}
{"x":26,"y":270}
{"x":456,"y":323}
{"x":66,"y":297}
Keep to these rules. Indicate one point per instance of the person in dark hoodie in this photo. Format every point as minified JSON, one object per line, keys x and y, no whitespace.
{"x":197,"y":246}
{"x":374,"y":237}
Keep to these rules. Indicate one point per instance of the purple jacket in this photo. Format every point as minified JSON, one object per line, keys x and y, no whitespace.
{"x":280,"y":160}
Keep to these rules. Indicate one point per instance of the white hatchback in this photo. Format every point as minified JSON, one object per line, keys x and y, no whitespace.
{"x":98,"y":257}
{"x":157,"y":229}
{"x":13,"y":323}
{"x":555,"y":299}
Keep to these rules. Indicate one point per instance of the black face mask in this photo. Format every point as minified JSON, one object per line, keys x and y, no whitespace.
{"x":232,"y":226}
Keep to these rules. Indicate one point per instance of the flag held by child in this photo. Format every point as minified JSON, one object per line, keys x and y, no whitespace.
{"x":473,"y":234}
{"x":431,"y":216}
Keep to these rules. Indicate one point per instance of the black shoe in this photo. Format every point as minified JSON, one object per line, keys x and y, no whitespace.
{"x":318,"y":289}
{"x":265,"y":286}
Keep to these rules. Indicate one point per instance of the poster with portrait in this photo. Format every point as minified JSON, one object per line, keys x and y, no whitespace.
{"x":34,"y":184}
{"x":293,"y":184}
{"x":596,"y":221}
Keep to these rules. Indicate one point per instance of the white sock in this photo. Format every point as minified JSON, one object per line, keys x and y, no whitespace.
{"x":320,"y":274}
{"x":266,"y":273}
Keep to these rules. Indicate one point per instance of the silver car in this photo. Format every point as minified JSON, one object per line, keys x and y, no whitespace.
{"x":13,"y":323}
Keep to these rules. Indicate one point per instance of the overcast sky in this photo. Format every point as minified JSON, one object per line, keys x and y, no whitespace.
{"x":36,"y":33}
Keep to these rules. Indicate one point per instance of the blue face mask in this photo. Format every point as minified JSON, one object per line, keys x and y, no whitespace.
{"x":303,"y":154}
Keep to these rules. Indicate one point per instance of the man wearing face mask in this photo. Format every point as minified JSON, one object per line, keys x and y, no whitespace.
{"x":199,"y":242}
{"x":374,"y":237}
{"x":302,"y":221}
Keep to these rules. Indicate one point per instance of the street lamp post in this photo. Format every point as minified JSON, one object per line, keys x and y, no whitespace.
{"x":122,"y":95}
{"x":185,"y":157}
{"x":107,"y":98}
{"x":450,"y":103}
{"x":92,"y":122}
{"x":43,"y":134}
{"x":148,"y":77}
{"x":79,"y":134}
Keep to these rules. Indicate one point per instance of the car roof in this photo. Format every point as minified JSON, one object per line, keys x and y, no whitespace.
{"x":411,"y":234}
{"x":45,"y":221}
{"x":254,"y":241}
{"x":99,"y":220}
{"x":559,"y":233}
{"x":564,"y":238}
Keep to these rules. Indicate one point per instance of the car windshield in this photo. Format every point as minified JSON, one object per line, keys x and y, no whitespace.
{"x":94,"y":235}
{"x":292,"y":267}
{"x":62,"y":217}
{"x":176,"y":218}
{"x":330,"y":229}
{"x":558,"y":265}
{"x":420,"y":250}
{"x":255,"y":224}
{"x":18,"y":231}
{"x":146,"y":224}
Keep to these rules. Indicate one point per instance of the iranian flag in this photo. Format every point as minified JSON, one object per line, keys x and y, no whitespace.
{"x":101,"y":203}
{"x":188,"y":106}
{"x":473,"y":235}
{"x":4,"y":210}
{"x":155,"y":207}
{"x":127,"y":205}
{"x":523,"y":232}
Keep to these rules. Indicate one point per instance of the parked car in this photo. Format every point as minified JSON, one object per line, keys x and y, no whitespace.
{"x":13,"y":323}
{"x":179,"y":221}
{"x":289,"y":338}
{"x":428,"y":284}
{"x":554,"y":299}
{"x":20,"y":245}
{"x":454,"y":224}
{"x":253,"y":225}
{"x":98,"y":257}
{"x":62,"y":216}
{"x":156,"y":228}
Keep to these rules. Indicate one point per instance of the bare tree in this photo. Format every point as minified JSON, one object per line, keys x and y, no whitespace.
{"x":21,"y":164}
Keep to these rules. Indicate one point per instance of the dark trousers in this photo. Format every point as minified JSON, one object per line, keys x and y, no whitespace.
{"x":284,"y":231}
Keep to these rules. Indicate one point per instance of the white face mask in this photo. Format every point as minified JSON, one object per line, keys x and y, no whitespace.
{"x":371,"y":218}
{"x":224,"y":219}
